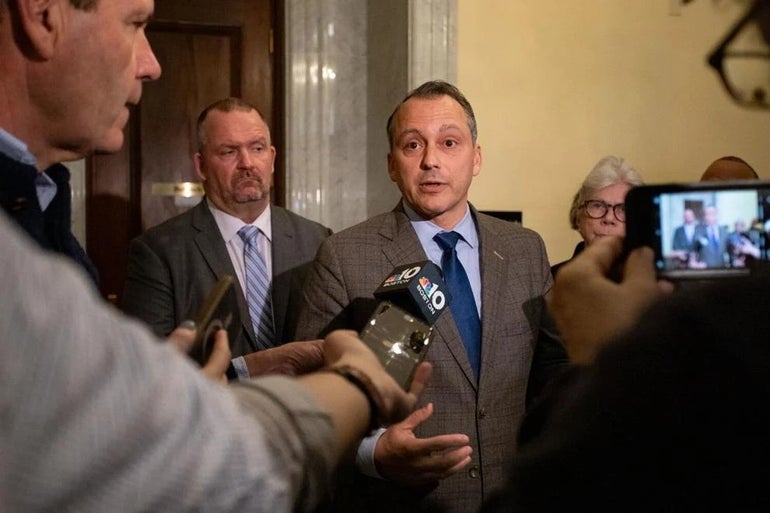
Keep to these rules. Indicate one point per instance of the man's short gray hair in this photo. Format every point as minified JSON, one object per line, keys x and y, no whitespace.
{"x":436,"y":89}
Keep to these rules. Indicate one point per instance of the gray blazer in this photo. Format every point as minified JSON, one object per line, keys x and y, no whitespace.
{"x":515,"y":276}
{"x":173,"y":266}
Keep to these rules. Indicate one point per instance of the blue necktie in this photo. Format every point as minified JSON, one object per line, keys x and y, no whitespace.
{"x":257,"y":287}
{"x":461,"y":302}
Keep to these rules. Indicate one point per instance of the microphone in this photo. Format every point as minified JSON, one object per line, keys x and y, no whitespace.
{"x":417,"y":288}
{"x":399,"y":331}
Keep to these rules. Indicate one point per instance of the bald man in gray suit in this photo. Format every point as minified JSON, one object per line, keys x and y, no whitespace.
{"x":173,"y":266}
{"x":449,"y":456}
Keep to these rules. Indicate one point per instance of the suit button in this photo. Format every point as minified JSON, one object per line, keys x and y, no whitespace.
{"x":482,"y":413}
{"x":474,"y":472}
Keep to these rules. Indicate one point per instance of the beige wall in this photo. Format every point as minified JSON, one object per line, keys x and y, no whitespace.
{"x":557,"y":84}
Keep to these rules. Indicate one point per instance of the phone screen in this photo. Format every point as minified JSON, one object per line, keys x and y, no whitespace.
{"x":399,"y":340}
{"x":701,"y":230}
{"x":214,"y":314}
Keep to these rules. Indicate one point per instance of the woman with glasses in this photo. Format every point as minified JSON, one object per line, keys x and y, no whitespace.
{"x":597,"y":209}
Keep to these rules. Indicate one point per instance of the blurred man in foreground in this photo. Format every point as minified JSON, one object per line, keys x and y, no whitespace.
{"x":96,"y":416}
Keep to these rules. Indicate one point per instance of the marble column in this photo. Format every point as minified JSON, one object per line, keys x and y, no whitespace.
{"x":326,"y":110}
{"x":348,"y":64}
{"x":432,"y":41}
{"x":78,"y":188}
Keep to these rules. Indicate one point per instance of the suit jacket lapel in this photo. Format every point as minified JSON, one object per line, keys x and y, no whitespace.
{"x":283,"y":248}
{"x":402,"y":246}
{"x":493,"y":271}
{"x":212,"y":247}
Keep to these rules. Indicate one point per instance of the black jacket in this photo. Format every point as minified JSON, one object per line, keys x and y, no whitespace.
{"x":52,"y":228}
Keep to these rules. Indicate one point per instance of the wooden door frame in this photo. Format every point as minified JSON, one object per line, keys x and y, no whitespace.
{"x":278,"y":41}
{"x":133,"y":129}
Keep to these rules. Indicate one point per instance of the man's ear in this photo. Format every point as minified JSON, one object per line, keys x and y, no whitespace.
{"x":197,"y":161}
{"x":40,"y":25}
{"x":477,"y":160}
{"x":391,"y":172}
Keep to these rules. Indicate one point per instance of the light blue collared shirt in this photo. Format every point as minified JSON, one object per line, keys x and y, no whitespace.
{"x":228,"y":226}
{"x":16,"y":150}
{"x":467,"y":247}
{"x":46,"y":190}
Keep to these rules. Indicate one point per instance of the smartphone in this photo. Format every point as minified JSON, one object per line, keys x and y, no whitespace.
{"x":703,"y":230}
{"x":212,"y":316}
{"x":399,"y":340}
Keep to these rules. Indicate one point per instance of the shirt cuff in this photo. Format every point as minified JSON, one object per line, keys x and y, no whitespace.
{"x":365,"y":455}
{"x":241,"y":369}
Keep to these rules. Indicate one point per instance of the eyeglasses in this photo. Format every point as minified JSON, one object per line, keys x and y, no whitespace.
{"x":745,"y":71}
{"x":597,"y":209}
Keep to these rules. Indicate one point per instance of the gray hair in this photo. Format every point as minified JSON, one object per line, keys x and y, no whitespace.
{"x":608,"y":171}
{"x":436,"y":89}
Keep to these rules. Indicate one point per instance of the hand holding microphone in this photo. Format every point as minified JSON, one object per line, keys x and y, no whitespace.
{"x":400,"y":329}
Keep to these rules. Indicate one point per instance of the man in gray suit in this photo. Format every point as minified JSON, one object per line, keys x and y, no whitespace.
{"x":173,"y":266}
{"x":710,"y":241}
{"x":450,"y":453}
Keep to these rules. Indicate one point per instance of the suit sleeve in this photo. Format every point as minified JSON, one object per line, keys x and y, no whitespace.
{"x":550,"y":357}
{"x":324,"y":297}
{"x":148,"y":293}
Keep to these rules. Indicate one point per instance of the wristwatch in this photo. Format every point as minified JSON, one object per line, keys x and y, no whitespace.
{"x":361,"y":381}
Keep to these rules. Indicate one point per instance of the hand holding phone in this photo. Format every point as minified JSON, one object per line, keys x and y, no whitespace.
{"x":702,"y":230}
{"x":591,"y":307}
{"x":210,"y":318}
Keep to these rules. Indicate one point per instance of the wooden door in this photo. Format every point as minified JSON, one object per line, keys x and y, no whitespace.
{"x":207,"y":50}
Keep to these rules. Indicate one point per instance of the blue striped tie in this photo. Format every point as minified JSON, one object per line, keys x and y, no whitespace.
{"x":257,"y":287}
{"x":461,"y":300}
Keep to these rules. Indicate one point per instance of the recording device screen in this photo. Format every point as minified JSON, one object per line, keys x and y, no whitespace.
{"x":399,"y":340}
{"x":701,"y":230}
{"x":400,"y":330}
{"x":214,"y":314}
